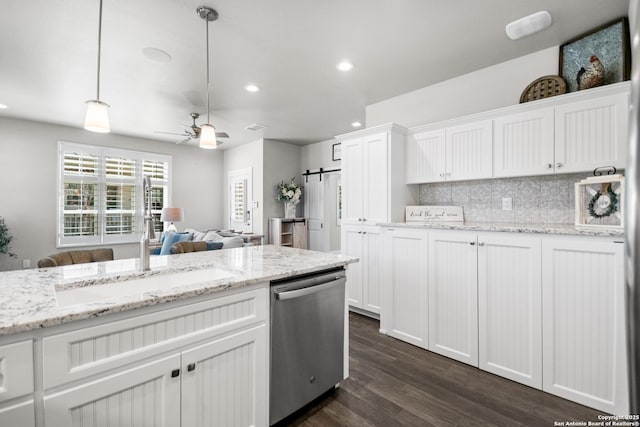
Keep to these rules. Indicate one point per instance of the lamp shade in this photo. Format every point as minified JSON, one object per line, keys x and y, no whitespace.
{"x":208,"y":137}
{"x":97,"y":119}
{"x":172,"y":214}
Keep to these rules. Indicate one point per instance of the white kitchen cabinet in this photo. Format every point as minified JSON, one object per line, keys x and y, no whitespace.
{"x":425,"y":157}
{"x":363,"y":278}
{"x":510,"y":307}
{"x":453,"y":295}
{"x":225,"y":382}
{"x":584,"y":347}
{"x":373,"y":184}
{"x":19,"y":415}
{"x":404,"y":311}
{"x":16,"y":370}
{"x":146,"y":395}
{"x":591,"y":133}
{"x":523,"y":143}
{"x":468,"y":151}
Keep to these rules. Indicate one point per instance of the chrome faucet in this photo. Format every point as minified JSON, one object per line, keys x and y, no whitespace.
{"x":148,"y":232}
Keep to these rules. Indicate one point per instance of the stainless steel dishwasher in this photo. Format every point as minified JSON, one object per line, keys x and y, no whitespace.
{"x":307,"y":339}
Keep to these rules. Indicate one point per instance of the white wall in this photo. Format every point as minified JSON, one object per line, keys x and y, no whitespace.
{"x":281,"y":163}
{"x":242,"y":157}
{"x":493,"y":87}
{"x":318,"y":155}
{"x":29,"y":189}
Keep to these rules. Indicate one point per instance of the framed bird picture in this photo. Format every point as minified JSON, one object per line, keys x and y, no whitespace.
{"x":600,"y":57}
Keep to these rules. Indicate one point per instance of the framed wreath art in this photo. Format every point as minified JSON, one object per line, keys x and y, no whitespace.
{"x":599,"y":201}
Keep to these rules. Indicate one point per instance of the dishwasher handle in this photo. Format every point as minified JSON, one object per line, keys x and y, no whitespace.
{"x":297,"y":293}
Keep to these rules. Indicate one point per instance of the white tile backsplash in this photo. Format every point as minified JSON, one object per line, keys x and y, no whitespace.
{"x":542,"y":199}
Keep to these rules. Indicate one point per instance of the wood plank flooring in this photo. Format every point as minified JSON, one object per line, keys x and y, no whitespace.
{"x":396,"y":384}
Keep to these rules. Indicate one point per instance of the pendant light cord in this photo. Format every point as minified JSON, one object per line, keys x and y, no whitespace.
{"x":99,"y":49}
{"x":206,"y":21}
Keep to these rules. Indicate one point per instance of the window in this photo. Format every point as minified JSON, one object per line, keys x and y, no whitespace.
{"x":101,"y":200}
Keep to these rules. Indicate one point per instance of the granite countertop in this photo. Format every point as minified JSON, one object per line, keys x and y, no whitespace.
{"x":563,"y":229}
{"x":32,"y":299}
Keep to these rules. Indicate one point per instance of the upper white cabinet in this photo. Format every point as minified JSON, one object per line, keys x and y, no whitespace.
{"x":452,"y":154}
{"x":373,"y":187}
{"x":584,"y":354}
{"x":591,"y":133}
{"x":523,"y":143}
{"x":575,"y":132}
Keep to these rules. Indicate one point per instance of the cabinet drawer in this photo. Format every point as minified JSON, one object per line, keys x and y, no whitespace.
{"x":16,"y":370}
{"x":81,"y":353}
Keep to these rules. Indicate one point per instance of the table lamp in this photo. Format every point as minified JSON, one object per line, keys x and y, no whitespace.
{"x":171,"y":215}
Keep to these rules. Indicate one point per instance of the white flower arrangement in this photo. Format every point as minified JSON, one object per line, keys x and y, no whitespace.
{"x":289,"y":193}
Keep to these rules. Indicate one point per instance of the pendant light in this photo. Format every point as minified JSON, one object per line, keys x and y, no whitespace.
{"x":207,"y":130}
{"x":97,"y":119}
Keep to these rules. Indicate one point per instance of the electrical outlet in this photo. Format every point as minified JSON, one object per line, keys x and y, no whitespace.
{"x":507,"y":204}
{"x":26,"y":263}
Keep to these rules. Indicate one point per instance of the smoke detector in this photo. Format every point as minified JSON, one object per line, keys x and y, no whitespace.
{"x":255,"y":127}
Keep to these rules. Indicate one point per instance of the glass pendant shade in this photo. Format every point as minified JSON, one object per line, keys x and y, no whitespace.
{"x":208,"y":137}
{"x":97,"y":119}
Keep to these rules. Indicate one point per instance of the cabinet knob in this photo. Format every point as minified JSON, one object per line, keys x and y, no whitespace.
{"x":191,"y":367}
{"x":549,"y":165}
{"x":441,"y":175}
{"x":364,"y":232}
{"x":480,"y":243}
{"x":175,"y":373}
{"x":472,"y":243}
{"x":558,"y":165}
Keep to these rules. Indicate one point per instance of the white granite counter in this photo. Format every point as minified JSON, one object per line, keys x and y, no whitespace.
{"x":563,"y":229}
{"x":30,"y":299}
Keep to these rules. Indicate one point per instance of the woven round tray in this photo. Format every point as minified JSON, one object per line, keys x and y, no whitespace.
{"x":544,"y":87}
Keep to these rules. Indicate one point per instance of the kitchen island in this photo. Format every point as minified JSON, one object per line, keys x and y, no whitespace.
{"x":86,"y":343}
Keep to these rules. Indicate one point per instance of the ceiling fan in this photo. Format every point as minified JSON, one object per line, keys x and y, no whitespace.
{"x":192,"y":133}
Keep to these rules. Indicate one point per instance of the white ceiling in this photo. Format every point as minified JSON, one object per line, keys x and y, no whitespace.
{"x":289,"y":48}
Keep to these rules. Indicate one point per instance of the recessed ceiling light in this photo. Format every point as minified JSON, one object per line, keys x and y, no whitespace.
{"x":356,"y":124}
{"x":156,"y":54}
{"x":251,"y":88}
{"x":344,"y":66}
{"x":2,"y":106}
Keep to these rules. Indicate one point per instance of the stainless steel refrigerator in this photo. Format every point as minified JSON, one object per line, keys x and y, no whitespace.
{"x":632,"y":221}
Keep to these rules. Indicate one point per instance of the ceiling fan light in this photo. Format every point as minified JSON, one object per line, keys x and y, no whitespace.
{"x":97,"y":119}
{"x":208,"y":137}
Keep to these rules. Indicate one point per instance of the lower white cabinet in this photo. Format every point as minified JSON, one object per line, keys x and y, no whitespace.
{"x":22,"y":415}
{"x":404,"y":312}
{"x":363,"y":277}
{"x":453,"y":295}
{"x":510,"y":307}
{"x":584,"y":351}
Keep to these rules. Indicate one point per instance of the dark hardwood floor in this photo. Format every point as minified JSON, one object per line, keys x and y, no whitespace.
{"x":392,"y":383}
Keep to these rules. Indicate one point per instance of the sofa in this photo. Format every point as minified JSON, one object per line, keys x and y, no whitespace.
{"x":212,"y":239}
{"x":76,"y":257}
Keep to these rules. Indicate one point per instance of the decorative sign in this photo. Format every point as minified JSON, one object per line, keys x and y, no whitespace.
{"x":434,"y":214}
{"x":599,"y":203}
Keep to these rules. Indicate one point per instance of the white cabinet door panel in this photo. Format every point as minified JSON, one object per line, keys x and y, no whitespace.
{"x":425,"y":157}
{"x":523,"y":143}
{"x":371,"y":267}
{"x":225,"y":381}
{"x":469,"y":151}
{"x":510,"y":307}
{"x":453,"y":296}
{"x":583,"y":323}
{"x":376,"y":179}
{"x":352,"y":244}
{"x":20,"y":415}
{"x":352,"y":181}
{"x":404,"y":312}
{"x":591,"y":133}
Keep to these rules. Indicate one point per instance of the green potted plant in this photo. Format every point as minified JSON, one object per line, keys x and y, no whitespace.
{"x":5,"y":239}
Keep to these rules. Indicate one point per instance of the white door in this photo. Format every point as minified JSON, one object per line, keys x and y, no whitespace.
{"x":314,"y":207}
{"x":584,"y":351}
{"x":591,"y":133}
{"x":371,"y":269}
{"x":225,"y":382}
{"x":510,"y":307}
{"x":375,"y":179}
{"x":469,"y":151}
{"x":240,"y":200}
{"x":352,"y":241}
{"x":352,"y":181}
{"x":146,"y":395}
{"x":523,"y":143}
{"x":404,"y":309}
{"x":453,"y":296}
{"x":426,"y":157}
